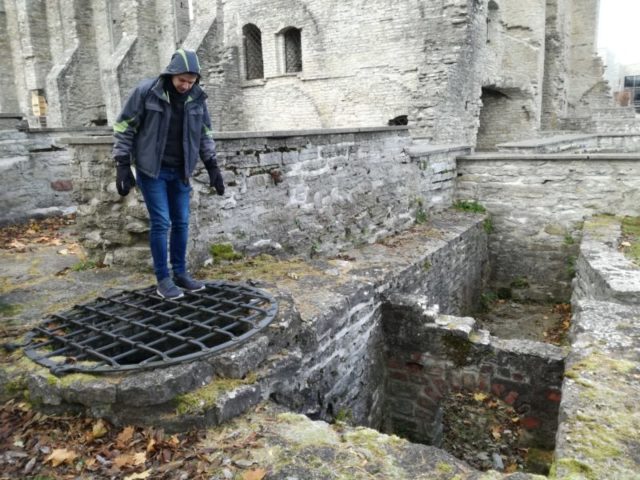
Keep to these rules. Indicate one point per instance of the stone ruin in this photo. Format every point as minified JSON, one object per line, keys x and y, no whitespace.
{"x":506,"y":110}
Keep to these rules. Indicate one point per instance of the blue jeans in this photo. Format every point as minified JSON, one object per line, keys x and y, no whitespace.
{"x":167,"y":200}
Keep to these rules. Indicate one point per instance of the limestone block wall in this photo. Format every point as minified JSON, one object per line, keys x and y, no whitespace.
{"x":9,"y":97}
{"x":556,"y":45}
{"x":600,"y":384}
{"x":306,"y":192}
{"x":588,"y":88}
{"x":352,"y":74}
{"x":342,"y":362}
{"x":538,"y":203}
{"x":37,"y":175}
{"x":512,"y":77}
{"x":431,"y":356}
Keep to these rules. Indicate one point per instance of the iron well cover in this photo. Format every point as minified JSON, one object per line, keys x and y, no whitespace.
{"x":137,"y":329}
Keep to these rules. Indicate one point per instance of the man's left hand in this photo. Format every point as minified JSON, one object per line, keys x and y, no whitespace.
{"x":215,"y":179}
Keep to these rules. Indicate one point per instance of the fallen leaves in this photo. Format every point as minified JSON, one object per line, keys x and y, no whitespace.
{"x":478,"y":425}
{"x":60,"y":456}
{"x":35,"y":445}
{"x":56,"y":447}
{"x":257,"y":474}
{"x":47,"y":231}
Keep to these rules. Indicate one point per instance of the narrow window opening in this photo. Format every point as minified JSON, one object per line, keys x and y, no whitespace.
{"x":252,"y":40}
{"x":293,"y":50}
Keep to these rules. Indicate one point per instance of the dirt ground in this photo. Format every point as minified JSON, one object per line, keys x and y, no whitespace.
{"x":508,"y":319}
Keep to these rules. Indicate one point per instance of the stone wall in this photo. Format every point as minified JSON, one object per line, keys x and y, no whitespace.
{"x":431,"y":356}
{"x":598,"y":412}
{"x":538,"y":204}
{"x":37,"y":174}
{"x":352,"y":74}
{"x":301,"y":192}
{"x":437,"y":63}
{"x":323,"y":355}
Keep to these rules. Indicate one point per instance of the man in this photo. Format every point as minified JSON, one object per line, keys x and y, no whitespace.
{"x":163,"y":128}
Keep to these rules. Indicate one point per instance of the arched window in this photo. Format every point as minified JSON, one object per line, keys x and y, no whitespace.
{"x":292,"y":50}
{"x":252,"y":40}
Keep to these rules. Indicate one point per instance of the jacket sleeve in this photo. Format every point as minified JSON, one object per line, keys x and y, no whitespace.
{"x":207,"y":143}
{"x":126,"y":126}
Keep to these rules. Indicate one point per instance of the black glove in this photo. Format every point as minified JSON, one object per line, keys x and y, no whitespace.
{"x":125,"y":180}
{"x":215,"y":177}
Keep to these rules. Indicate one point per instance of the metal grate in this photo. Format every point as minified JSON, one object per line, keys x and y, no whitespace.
{"x":139,"y":330}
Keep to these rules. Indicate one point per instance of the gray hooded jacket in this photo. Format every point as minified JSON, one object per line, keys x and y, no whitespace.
{"x":141,"y":128}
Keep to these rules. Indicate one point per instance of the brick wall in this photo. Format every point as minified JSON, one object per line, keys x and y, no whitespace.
{"x":431,"y":356}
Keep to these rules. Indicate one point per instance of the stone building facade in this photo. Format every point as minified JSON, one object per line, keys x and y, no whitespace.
{"x":477,"y":72}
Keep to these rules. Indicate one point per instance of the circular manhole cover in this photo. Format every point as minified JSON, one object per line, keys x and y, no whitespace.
{"x":137,"y":329}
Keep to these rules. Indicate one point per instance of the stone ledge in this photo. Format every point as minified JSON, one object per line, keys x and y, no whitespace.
{"x":418,"y":149}
{"x":605,"y":274}
{"x":600,"y":420}
{"x":547,"y":142}
{"x":107,"y":139}
{"x":546,"y":157}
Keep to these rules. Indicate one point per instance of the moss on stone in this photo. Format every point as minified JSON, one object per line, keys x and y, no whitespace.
{"x":572,"y":469}
{"x":444,"y":467}
{"x":223,"y":252}
{"x":600,"y":436}
{"x":9,"y":310}
{"x":469,"y":206}
{"x":458,"y":349}
{"x":202,"y":399}
{"x":597,"y":361}
{"x":264,"y":267}
{"x":631,"y":233}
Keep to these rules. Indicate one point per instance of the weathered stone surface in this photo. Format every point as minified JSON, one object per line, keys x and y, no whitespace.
{"x":321,"y":204}
{"x":524,"y":194}
{"x":599,"y":416}
{"x":425,"y":61}
{"x":238,"y":362}
{"x":158,"y":386}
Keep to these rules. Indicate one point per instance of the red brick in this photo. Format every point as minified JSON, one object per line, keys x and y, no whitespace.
{"x":511,"y":397}
{"x":416,"y":357}
{"x":62,"y":185}
{"x":398,"y":375}
{"x":530,"y":423}
{"x":554,"y":396}
{"x":498,"y":389}
{"x":414,"y":367}
{"x":394,"y":363}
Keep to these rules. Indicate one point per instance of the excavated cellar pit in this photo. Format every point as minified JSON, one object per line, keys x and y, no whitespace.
{"x":380,"y":359}
{"x":490,"y":401}
{"x":443,"y":382}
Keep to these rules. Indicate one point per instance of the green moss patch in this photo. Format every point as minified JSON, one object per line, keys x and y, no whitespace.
{"x":631,"y":237}
{"x":202,"y":399}
{"x":223,"y":252}
{"x":469,"y":206}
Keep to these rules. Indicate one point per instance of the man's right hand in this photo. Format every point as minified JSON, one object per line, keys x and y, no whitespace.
{"x":125,"y":180}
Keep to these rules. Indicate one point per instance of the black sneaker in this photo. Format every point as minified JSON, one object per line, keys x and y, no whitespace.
{"x":185,"y":282}
{"x":167,"y":289}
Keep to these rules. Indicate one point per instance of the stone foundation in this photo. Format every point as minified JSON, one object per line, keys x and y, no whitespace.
{"x":322,"y":355}
{"x":430,"y":355}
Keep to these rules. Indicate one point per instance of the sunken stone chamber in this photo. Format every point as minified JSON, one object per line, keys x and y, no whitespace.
{"x":323,"y":354}
{"x":431,"y":355}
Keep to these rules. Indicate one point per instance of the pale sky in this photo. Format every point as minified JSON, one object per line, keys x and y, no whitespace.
{"x":618,"y":29}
